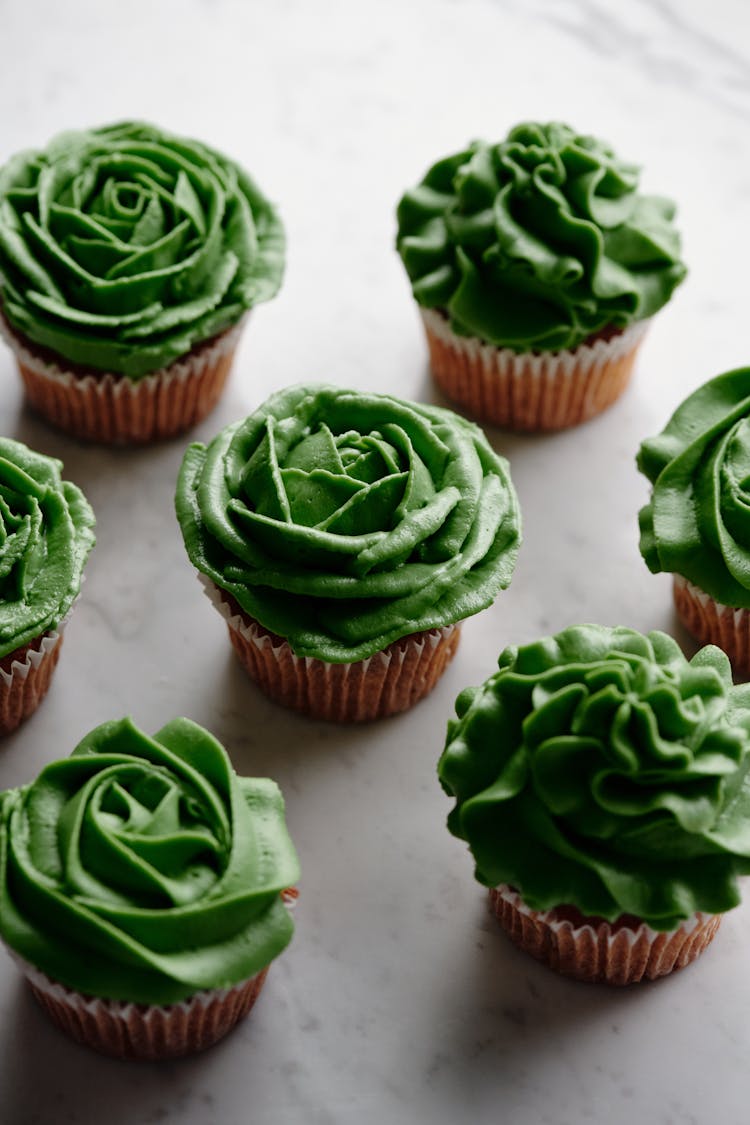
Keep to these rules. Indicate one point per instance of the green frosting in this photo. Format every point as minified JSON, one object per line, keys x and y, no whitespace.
{"x":601,"y":769}
{"x":46,"y":533}
{"x":143,"y":869}
{"x":539,"y":241}
{"x":697,"y":522}
{"x":343,"y":521}
{"x":123,"y":247}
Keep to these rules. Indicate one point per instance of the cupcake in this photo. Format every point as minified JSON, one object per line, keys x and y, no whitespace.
{"x":344,"y":536}
{"x":600,"y":783}
{"x":129,"y":258}
{"x":696,"y":525}
{"x":536,"y":264}
{"x":142,"y":889}
{"x":46,"y":533}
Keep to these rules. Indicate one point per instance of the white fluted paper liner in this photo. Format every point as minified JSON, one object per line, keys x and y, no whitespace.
{"x":32,"y":658}
{"x":112,"y":407}
{"x":531,"y":390}
{"x":710,"y":622}
{"x":386,"y":683}
{"x":25,"y":684}
{"x":611,"y":953}
{"x":127,"y":1030}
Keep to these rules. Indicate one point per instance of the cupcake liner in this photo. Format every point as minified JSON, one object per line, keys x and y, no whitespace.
{"x":710,"y":622}
{"x":140,"y":1031}
{"x":531,"y":391}
{"x":116,"y":409}
{"x":25,"y":676}
{"x":622,"y":952}
{"x":384,"y":684}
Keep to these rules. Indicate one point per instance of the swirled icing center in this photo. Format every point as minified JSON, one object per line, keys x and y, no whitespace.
{"x":123,"y":247}
{"x":343,"y":521}
{"x":144,"y":869}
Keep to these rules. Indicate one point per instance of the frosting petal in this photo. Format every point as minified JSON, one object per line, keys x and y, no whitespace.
{"x":697,"y":522}
{"x":539,"y":241}
{"x":144,"y":869}
{"x":122,"y":247}
{"x":343,"y":521}
{"x":601,"y":769}
{"x":46,"y":534}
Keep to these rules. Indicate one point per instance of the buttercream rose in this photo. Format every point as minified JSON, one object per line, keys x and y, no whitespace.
{"x":343,"y":521}
{"x":143,"y":869}
{"x":123,"y":247}
{"x":46,"y":533}
{"x":599,"y":768}
{"x":697,"y":522}
{"x":538,"y":242}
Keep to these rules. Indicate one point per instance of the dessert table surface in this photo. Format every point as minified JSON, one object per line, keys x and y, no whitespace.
{"x":399,"y":999}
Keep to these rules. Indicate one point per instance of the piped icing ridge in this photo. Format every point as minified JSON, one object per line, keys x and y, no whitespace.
{"x":143,"y":868}
{"x":697,"y":522}
{"x":46,"y":534}
{"x":343,"y":521}
{"x":121,"y":247}
{"x":538,"y":242}
{"x":600,"y":769}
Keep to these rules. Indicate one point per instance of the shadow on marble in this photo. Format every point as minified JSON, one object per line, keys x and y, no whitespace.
{"x":260,"y":733}
{"x":501,"y":1011}
{"x":49,"y":1074}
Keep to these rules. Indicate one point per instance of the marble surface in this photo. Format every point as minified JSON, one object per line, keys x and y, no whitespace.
{"x":399,"y":1000}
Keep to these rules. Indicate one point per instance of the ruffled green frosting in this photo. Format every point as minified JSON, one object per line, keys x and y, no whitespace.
{"x":599,"y":768}
{"x":123,"y":247}
{"x":343,"y":521}
{"x":46,"y":533}
{"x":697,"y":522}
{"x":143,"y":869}
{"x":539,"y":241}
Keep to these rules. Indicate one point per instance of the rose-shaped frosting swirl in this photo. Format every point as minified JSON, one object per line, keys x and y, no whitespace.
{"x":46,"y":533}
{"x":539,"y":241}
{"x":598,"y":768}
{"x":697,"y":522}
{"x":122,"y":247}
{"x":342,"y":521}
{"x":144,"y":869}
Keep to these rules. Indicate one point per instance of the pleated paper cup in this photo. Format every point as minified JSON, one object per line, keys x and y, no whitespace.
{"x":114,"y":409}
{"x":533,"y":391}
{"x":25,"y":676}
{"x":626,"y":951}
{"x":712,"y":623}
{"x":385,"y":684}
{"x":144,"y":1031}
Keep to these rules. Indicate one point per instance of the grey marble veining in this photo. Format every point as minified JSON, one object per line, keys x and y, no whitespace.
{"x":671,"y":43}
{"x":398,"y":1001}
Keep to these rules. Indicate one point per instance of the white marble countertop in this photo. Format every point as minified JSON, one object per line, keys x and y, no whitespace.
{"x":399,"y":999}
